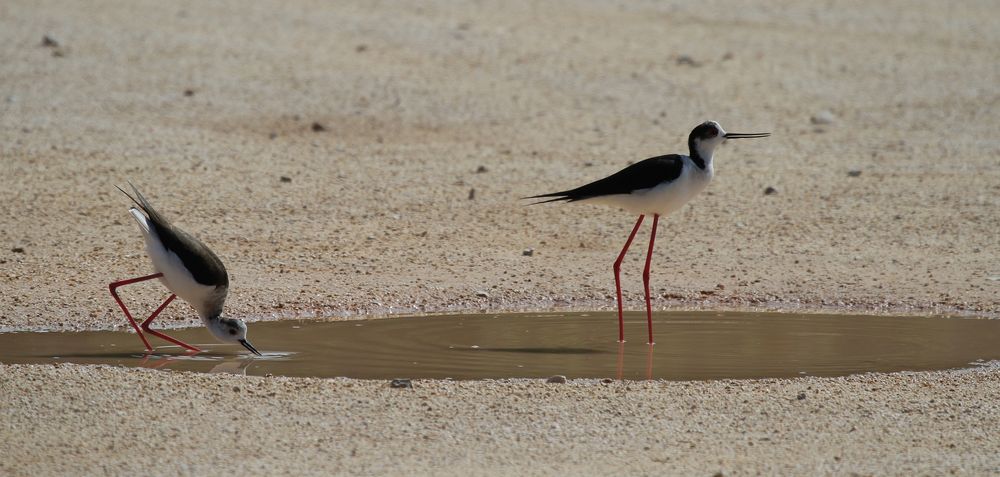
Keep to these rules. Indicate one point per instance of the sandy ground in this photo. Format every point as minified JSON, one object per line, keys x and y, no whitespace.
{"x":207,"y":107}
{"x":101,"y":421}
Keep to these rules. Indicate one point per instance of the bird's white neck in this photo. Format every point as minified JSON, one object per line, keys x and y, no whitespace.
{"x":701,"y":154}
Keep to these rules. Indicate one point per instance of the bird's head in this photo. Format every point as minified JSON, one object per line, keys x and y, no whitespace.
{"x":709,"y":134}
{"x":231,"y":330}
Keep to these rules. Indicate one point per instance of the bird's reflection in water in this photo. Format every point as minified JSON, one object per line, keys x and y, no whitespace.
{"x":235,"y":366}
{"x":621,"y":360}
{"x":159,"y":361}
{"x":649,"y":361}
{"x":620,"y":367}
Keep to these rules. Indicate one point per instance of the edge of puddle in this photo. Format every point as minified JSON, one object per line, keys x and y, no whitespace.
{"x":583,"y":306}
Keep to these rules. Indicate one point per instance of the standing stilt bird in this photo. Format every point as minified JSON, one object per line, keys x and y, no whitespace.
{"x":188,"y":269}
{"x":658,"y":186}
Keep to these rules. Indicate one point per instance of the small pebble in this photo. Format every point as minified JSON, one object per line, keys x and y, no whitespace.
{"x":853,"y":173}
{"x":481,"y":169}
{"x":770,"y":190}
{"x":17,"y":250}
{"x":558,"y":379}
{"x":607,"y":380}
{"x":49,"y":42}
{"x":685,"y":60}
{"x":361,"y":48}
{"x":822,"y":118}
{"x":472,"y":194}
{"x":189,"y":92}
{"x":272,"y":135}
{"x":286,"y":179}
{"x":401,"y":384}
{"x":482,"y":294}
{"x":528,"y":252}
{"x":801,"y":396}
{"x":317,"y":127}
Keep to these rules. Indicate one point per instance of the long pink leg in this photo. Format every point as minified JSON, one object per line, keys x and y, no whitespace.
{"x":145,"y":326}
{"x":113,"y":287}
{"x":618,"y":280}
{"x":645,"y":277}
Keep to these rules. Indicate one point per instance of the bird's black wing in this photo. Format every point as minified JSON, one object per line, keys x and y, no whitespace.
{"x":641,"y":175}
{"x":205,"y":266}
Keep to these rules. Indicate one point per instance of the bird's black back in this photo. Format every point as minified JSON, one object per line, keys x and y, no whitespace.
{"x":644,"y":174}
{"x":205,"y":266}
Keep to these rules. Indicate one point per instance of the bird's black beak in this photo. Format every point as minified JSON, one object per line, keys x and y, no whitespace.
{"x":746,"y":135}
{"x":246,"y":344}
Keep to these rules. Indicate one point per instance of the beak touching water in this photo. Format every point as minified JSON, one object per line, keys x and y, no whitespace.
{"x":246,"y":344}
{"x":746,"y":135}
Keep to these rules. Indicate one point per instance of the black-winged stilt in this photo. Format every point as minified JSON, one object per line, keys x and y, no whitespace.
{"x":658,"y":186}
{"x":189,"y":269}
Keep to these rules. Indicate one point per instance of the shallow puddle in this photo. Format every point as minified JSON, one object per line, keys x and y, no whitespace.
{"x":690,"y":345}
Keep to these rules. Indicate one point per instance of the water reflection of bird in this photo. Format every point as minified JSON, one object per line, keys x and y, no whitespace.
{"x":236,"y":366}
{"x":189,"y":269}
{"x":658,"y":186}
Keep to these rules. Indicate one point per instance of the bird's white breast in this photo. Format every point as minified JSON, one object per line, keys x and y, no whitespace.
{"x":206,"y":299}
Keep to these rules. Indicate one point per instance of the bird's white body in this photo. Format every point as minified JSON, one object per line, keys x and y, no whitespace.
{"x":207,"y":300}
{"x":667,"y":197}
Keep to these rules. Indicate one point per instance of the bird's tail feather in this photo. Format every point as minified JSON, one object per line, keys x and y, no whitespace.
{"x":143,"y":203}
{"x":553,"y":197}
{"x":557,"y":199}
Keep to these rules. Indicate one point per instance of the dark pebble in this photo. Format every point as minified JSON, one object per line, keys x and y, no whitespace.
{"x":607,"y":380}
{"x":472,"y":194}
{"x":49,"y":42}
{"x":854,"y":173}
{"x":770,"y":191}
{"x":401,"y":384}
{"x":361,"y":48}
{"x":685,"y":60}
{"x":557,"y":379}
{"x":528,"y":252}
{"x":286,"y":179}
{"x":481,"y":169}
{"x":17,"y":250}
{"x":801,"y":397}
{"x":189,"y":92}
{"x":317,"y":127}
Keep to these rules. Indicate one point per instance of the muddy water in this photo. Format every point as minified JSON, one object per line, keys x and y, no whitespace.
{"x":690,"y":345}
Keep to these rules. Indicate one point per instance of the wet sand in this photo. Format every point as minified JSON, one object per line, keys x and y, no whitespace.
{"x":884,"y":159}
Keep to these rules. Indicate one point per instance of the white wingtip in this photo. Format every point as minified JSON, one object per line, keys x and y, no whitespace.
{"x":141,"y":219}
